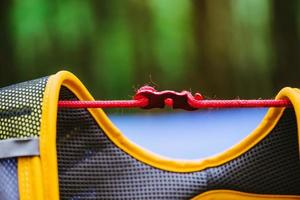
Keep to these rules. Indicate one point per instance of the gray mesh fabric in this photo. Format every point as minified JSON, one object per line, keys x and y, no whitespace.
{"x":271,"y":167}
{"x":8,"y":179}
{"x":92,"y":167}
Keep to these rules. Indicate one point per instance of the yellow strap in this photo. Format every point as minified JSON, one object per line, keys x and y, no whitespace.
{"x":30,"y":178}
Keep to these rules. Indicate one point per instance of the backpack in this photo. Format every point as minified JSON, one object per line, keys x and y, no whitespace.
{"x":51,"y":153}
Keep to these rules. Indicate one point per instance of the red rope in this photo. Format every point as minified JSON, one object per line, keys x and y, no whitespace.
{"x":239,"y":103}
{"x":193,"y":102}
{"x":104,"y":104}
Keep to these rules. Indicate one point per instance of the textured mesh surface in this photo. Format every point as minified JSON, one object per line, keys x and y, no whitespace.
{"x":272,"y":166}
{"x":92,"y":167}
{"x":8,"y":179}
{"x":20,"y":109}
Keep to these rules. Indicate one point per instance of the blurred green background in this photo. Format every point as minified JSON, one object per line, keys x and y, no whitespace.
{"x":223,"y":49}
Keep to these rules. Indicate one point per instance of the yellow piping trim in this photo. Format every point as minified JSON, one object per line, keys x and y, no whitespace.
{"x":24,"y":183}
{"x":296,"y":104}
{"x":48,"y":140}
{"x":293,"y":94}
{"x":234,"y":195}
{"x":30,"y":178}
{"x":48,"y":134}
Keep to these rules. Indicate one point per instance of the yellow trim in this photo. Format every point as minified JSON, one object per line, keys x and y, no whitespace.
{"x":48,"y":134}
{"x":297,"y":110}
{"x":293,"y":94}
{"x":30,"y":178}
{"x":234,"y":195}
{"x":48,"y":139}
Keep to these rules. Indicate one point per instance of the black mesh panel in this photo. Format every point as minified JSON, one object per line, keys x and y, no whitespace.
{"x":21,"y":108}
{"x":92,"y":167}
{"x":272,"y":166}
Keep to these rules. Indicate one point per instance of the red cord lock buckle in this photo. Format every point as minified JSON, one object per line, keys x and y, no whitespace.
{"x":160,"y":99}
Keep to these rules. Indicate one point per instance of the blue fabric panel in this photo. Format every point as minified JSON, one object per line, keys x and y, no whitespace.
{"x":9,"y":189}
